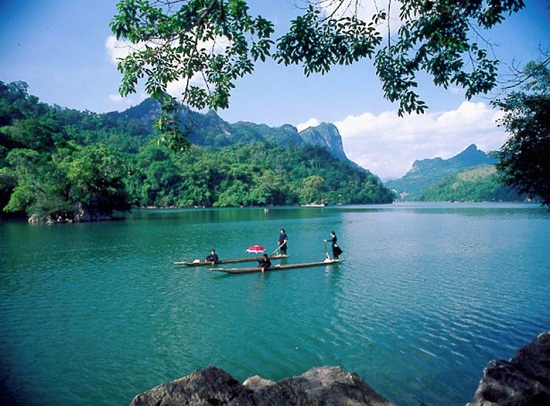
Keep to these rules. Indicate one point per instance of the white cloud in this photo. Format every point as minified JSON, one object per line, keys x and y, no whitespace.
{"x":365,"y":10}
{"x":176,"y":88}
{"x":126,"y":102}
{"x":116,"y":98}
{"x":117,"y":49}
{"x":312,"y":122}
{"x":387,"y":144}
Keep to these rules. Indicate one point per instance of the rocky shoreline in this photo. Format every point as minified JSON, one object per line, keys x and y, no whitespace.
{"x":523,"y":380}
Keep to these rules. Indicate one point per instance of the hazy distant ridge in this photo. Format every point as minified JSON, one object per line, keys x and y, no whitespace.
{"x":428,"y":172}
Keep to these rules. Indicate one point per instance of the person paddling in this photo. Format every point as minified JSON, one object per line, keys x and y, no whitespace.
{"x":213,"y":257}
{"x":264,"y":263}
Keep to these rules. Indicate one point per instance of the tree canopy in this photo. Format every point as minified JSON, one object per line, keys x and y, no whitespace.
{"x":51,"y":167}
{"x":209,"y":44}
{"x":525,"y":157}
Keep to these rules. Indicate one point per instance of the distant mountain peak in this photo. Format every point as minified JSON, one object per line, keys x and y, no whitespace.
{"x":327,"y":136}
{"x":426,"y":172}
{"x":471,"y":156}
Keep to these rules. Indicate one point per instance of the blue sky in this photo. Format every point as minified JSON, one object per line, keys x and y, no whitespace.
{"x":62,"y":49}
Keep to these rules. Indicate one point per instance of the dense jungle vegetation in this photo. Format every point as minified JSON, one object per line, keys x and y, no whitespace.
{"x":58,"y":164}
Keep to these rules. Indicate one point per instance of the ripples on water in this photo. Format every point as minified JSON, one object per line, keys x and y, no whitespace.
{"x":94,"y":314}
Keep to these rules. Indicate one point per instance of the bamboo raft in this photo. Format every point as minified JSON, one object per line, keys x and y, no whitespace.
{"x":226,"y":261}
{"x":278,"y":267}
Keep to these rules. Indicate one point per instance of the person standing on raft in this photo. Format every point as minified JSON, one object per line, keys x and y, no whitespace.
{"x":282,"y":242}
{"x":336,"y":250}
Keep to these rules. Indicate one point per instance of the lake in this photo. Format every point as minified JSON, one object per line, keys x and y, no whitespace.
{"x":95,"y":313}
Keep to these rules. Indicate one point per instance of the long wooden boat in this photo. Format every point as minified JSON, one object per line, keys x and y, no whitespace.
{"x":278,"y":267}
{"x":226,"y":261}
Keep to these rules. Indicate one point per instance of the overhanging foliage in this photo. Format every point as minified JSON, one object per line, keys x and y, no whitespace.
{"x":525,"y":157}
{"x":210,"y":44}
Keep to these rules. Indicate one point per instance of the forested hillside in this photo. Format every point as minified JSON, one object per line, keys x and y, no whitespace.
{"x":471,"y":185}
{"x":58,"y":164}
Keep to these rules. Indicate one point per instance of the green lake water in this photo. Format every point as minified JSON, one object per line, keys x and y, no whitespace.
{"x":93,"y":314}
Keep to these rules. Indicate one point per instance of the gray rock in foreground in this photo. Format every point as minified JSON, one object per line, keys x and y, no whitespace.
{"x":524,"y":380}
{"x":213,"y":386}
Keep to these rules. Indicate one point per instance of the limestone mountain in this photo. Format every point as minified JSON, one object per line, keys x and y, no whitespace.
{"x":211,"y":130}
{"x":327,"y":136}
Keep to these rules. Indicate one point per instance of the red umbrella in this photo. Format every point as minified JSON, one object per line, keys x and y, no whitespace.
{"x":256,"y":249}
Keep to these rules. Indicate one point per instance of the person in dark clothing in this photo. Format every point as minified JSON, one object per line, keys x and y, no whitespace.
{"x":336,"y":250}
{"x":213,"y":257}
{"x":264,"y":263}
{"x":282,"y":242}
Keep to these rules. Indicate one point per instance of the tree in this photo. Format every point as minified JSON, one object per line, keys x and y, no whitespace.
{"x":210,"y":44}
{"x":39,"y":188}
{"x":312,"y":189}
{"x":525,"y":157}
{"x":94,"y":174}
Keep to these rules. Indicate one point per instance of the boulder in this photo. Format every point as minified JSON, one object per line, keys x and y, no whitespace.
{"x":214,"y":386}
{"x":523,"y":380}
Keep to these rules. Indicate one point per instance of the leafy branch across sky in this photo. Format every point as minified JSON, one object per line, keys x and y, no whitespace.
{"x":209,"y":44}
